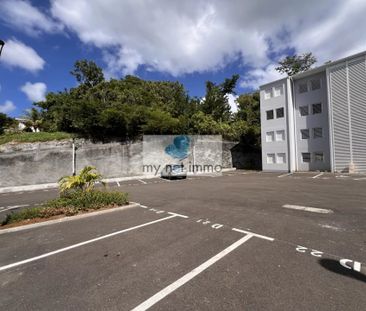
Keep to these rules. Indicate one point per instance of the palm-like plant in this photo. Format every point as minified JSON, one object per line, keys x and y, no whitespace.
{"x":33,"y":119}
{"x":84,"y":181}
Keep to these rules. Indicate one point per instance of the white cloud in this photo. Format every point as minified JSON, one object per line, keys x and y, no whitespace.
{"x":17,"y":54}
{"x":35,"y":91}
{"x":232,"y":102}
{"x":7,"y":107}
{"x":20,"y":14}
{"x":189,"y":36}
{"x":256,"y":77}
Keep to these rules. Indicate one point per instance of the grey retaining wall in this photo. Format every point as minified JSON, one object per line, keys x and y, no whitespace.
{"x":40,"y":163}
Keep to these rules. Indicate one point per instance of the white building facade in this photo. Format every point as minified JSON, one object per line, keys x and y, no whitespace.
{"x":316,"y":120}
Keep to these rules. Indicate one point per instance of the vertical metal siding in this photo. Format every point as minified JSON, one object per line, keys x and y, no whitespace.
{"x":340,"y":116}
{"x":357,"y":97}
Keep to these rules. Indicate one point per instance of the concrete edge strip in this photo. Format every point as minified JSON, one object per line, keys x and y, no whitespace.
{"x":8,"y":208}
{"x":308,"y":209}
{"x":68,"y":218}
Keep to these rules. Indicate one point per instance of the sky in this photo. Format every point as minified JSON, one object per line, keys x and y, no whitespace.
{"x":189,"y":41}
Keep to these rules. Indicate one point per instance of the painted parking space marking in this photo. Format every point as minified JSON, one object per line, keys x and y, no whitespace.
{"x":206,"y":222}
{"x":8,"y":208}
{"x":284,"y":175}
{"x":346,"y":263}
{"x":351,"y":264}
{"x":308,"y":209}
{"x":190,"y":275}
{"x":318,"y":175}
{"x":254,"y":234}
{"x":142,"y":181}
{"x":61,"y":250}
{"x":362,"y":178}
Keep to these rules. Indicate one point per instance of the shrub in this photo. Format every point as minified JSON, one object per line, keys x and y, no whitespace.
{"x":69,"y":205}
{"x":89,"y":200}
{"x":84,"y":181}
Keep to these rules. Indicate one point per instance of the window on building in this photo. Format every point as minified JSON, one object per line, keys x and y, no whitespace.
{"x":318,"y":156}
{"x":280,"y":135}
{"x":315,"y":84}
{"x":304,"y":110}
{"x":305,"y":134}
{"x":306,"y":158}
{"x":267,"y":94}
{"x":317,"y":108}
{"x":271,"y":158}
{"x":270,"y":115}
{"x":303,"y":87}
{"x":278,"y":91}
{"x":317,"y":132}
{"x":281,"y":158}
{"x":269,"y":137}
{"x":280,"y":113}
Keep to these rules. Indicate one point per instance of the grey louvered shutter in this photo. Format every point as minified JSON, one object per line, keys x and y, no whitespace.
{"x":340,"y":116}
{"x":357,"y":96}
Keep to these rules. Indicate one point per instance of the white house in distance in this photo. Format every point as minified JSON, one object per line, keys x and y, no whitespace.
{"x":316,"y":120}
{"x":22,"y":126}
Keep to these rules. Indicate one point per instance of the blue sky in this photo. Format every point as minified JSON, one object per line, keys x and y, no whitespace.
{"x":189,"y":41}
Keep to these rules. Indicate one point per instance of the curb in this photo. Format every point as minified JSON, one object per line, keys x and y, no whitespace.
{"x":107,"y":180}
{"x":68,"y":218}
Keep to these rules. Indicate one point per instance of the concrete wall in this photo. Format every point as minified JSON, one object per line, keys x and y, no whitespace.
{"x":40,"y":163}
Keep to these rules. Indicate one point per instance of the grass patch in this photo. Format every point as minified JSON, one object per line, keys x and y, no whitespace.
{"x":69,"y":205}
{"x":30,"y":137}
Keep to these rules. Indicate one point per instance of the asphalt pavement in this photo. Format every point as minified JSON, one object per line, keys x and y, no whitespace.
{"x":242,"y":241}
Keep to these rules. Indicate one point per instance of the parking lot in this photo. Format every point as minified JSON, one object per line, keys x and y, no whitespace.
{"x":242,"y":241}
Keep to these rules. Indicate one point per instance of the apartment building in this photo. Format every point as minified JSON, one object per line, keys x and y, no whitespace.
{"x":316,"y":120}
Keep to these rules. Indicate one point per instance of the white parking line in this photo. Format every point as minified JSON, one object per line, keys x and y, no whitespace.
{"x":118,"y":184}
{"x":254,"y":234}
{"x":284,"y":175}
{"x":362,"y":178}
{"x":7,"y":208}
{"x":308,"y":209}
{"x":16,"y":264}
{"x":190,"y":275}
{"x":318,"y":175}
{"x":142,"y":181}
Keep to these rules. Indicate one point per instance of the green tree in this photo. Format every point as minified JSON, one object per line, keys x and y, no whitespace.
{"x":204,"y":124}
{"x":87,"y":73}
{"x":5,"y":122}
{"x":292,"y":65}
{"x":216,"y":102}
{"x":249,"y":108}
{"x":248,"y":120}
{"x":161,"y":122}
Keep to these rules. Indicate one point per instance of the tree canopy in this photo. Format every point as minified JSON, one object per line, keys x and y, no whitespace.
{"x":292,"y":65}
{"x":127,"y":108}
{"x":6,"y":122}
{"x":87,"y":73}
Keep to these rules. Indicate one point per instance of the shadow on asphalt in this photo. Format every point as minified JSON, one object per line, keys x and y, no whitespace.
{"x":334,"y":266}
